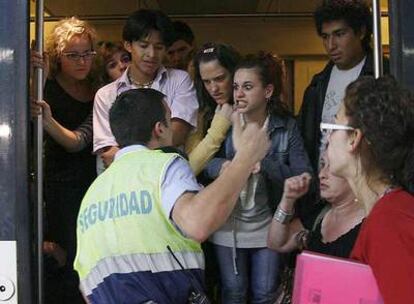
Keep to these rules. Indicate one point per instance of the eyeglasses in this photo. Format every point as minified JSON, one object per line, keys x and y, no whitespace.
{"x":328,"y":128}
{"x":75,"y":56}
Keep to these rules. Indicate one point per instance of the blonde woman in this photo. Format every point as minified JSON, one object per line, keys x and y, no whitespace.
{"x":70,"y":166}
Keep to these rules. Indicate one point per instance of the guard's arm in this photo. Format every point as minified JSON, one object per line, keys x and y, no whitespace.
{"x":199,"y":215}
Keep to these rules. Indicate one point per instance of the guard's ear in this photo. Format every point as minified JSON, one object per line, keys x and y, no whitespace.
{"x":158,"y":130}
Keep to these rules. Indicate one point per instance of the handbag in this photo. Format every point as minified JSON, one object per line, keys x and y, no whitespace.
{"x":285,"y":289}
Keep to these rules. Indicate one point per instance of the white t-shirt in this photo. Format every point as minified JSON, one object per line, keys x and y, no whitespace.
{"x":335,"y":93}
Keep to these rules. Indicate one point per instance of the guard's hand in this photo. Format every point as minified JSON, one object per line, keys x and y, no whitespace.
{"x":296,"y":186}
{"x":252,"y":143}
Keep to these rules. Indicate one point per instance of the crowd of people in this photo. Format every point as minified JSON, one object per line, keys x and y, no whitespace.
{"x":154,"y":146}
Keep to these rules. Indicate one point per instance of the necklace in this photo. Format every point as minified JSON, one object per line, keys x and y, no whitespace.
{"x":140,"y":85}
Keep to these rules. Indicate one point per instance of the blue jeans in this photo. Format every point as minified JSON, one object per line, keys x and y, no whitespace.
{"x":257,"y":277}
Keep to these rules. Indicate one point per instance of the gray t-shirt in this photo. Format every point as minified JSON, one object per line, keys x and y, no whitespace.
{"x":248,"y":225}
{"x":335,"y":93}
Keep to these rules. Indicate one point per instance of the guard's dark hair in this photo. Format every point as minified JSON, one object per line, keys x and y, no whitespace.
{"x":384,"y":112}
{"x":134,"y":114}
{"x":183,"y":32}
{"x":227,"y":57}
{"x":355,"y":13}
{"x":140,"y":23}
{"x":270,"y":71}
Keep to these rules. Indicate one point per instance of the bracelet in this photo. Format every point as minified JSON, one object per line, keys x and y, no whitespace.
{"x":282,"y":216}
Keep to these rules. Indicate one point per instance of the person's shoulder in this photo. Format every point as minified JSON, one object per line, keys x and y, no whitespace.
{"x":176,"y":74}
{"x":395,"y":201}
{"x":108,"y":89}
{"x":323,"y":74}
{"x":368,"y":68}
{"x":172,"y":150}
{"x":289,"y":120}
{"x":395,"y":207}
{"x":178,"y":169}
{"x":285,"y":120}
{"x":391,"y":220}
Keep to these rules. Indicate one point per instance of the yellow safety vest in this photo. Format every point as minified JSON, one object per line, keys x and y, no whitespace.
{"x":122,"y":227}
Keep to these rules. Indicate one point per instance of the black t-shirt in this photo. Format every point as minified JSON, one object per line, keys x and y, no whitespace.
{"x":341,"y":247}
{"x":60,"y":165}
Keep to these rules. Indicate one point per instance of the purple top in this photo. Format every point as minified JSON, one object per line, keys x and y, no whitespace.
{"x":175,"y":84}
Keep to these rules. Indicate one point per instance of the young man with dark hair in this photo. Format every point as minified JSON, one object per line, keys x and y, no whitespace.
{"x":345,"y":27}
{"x":147,"y":34}
{"x":180,"y":51}
{"x":141,"y":222}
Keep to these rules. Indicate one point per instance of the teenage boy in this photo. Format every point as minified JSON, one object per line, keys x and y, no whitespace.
{"x":345,"y":27}
{"x":180,"y":51}
{"x":147,"y":34}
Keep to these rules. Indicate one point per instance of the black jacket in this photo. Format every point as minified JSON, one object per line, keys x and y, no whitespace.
{"x":310,"y":114}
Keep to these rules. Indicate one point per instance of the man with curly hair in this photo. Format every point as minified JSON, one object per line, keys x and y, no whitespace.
{"x":345,"y":27}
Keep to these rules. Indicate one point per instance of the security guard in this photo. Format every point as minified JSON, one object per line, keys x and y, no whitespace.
{"x":141,"y":222}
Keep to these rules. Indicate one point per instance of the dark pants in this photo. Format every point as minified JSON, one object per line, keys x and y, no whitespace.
{"x":63,"y":200}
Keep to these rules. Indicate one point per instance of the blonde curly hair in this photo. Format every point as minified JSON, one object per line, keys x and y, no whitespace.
{"x":62,"y":33}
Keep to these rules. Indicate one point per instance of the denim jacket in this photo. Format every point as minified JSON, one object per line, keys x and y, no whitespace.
{"x":285,"y":158}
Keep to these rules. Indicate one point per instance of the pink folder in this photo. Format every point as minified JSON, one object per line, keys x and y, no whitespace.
{"x":323,"y":279}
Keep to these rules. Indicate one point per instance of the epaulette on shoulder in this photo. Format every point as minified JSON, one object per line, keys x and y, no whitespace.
{"x":169,"y":149}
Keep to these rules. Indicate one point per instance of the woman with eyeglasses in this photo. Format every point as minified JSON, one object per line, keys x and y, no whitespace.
{"x":371,"y":145}
{"x":69,"y":163}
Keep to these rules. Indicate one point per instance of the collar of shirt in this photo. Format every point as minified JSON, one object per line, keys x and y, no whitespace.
{"x":129,"y":149}
{"x":124,"y":84}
